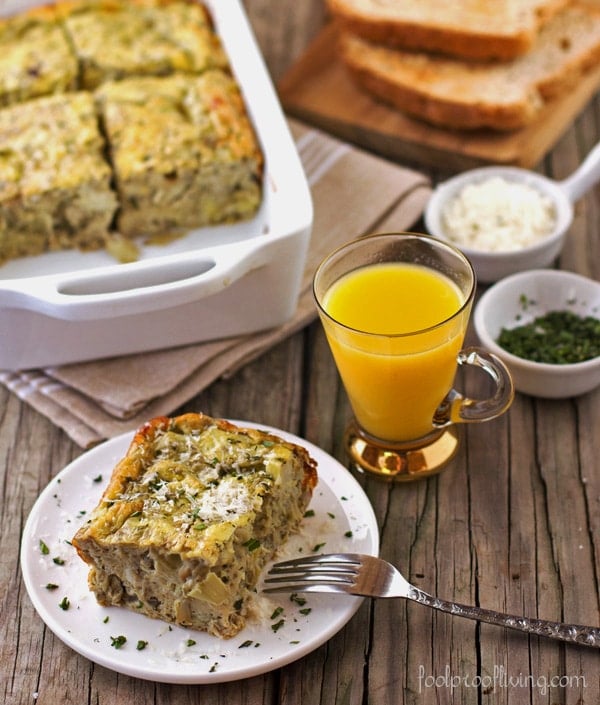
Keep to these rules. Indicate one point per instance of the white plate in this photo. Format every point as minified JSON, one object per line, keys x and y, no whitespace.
{"x":339,"y":505}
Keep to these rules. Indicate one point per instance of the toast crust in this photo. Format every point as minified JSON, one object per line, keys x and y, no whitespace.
{"x":469,"y":95}
{"x":477,"y":30}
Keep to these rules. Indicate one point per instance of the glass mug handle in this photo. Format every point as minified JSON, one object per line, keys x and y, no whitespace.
{"x":457,"y":408}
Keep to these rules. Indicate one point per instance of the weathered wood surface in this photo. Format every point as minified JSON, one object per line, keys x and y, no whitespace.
{"x":513,"y":524}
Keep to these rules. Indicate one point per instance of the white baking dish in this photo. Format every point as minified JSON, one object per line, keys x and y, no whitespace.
{"x":216,"y":282}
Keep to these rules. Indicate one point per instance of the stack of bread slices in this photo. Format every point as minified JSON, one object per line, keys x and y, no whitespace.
{"x":469,"y":64}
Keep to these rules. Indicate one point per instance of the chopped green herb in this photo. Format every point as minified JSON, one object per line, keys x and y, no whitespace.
{"x":105,"y":620}
{"x":277,"y":626}
{"x":44,"y":548}
{"x":58,"y":561}
{"x":306,"y":611}
{"x":318,"y":547}
{"x":294,"y":642}
{"x":348,"y":534}
{"x":118,"y":641}
{"x":190,"y":642}
{"x":252,"y":544}
{"x":294,"y":597}
{"x":276,"y":612}
{"x":98,"y":478}
{"x":557,"y":337}
{"x":213,"y":668}
{"x":245,"y":644}
{"x":141,"y":645}
{"x":65,"y":603}
{"x":331,"y":515}
{"x":51,"y":586}
{"x":309,"y":513}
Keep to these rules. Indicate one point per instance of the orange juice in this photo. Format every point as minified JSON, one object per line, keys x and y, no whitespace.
{"x":402,"y":327}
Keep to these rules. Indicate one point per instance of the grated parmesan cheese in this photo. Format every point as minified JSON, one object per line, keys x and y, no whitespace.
{"x":497,"y":215}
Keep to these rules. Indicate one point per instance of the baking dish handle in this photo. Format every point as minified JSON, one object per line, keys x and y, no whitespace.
{"x":141,"y":287}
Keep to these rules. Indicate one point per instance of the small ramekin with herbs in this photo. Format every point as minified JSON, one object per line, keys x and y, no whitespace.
{"x":545,"y":326}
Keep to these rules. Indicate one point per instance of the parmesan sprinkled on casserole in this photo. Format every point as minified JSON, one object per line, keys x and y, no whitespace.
{"x":192,"y":514}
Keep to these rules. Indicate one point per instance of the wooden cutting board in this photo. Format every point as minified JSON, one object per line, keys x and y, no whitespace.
{"x":318,"y":90}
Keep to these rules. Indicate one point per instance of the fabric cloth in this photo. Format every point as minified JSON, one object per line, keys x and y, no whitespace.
{"x":353,"y":193}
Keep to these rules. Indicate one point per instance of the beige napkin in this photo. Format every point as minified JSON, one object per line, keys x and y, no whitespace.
{"x":353,"y":193}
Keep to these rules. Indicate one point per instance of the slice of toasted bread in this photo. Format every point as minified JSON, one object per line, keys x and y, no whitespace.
{"x":471,"y":29}
{"x":468,"y":95}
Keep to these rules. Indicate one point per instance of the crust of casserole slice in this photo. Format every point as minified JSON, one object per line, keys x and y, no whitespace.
{"x":192,"y":513}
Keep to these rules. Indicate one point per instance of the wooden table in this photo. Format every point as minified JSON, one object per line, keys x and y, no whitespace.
{"x":513,"y":524}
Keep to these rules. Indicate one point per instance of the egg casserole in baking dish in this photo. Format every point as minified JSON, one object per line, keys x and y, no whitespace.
{"x":180,"y":150}
{"x":192,"y":514}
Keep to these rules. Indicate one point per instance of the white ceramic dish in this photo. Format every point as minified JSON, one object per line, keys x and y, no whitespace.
{"x":340,"y":505}
{"x":520,"y":298}
{"x":492,"y":266}
{"x":215,"y":282}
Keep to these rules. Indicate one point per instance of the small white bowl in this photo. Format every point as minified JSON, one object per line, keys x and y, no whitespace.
{"x":544,"y":290}
{"x":492,"y":266}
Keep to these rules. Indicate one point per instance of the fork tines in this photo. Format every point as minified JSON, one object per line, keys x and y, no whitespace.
{"x":332,"y":572}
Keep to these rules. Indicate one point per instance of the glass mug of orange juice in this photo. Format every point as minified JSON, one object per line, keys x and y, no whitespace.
{"x":395,"y":309}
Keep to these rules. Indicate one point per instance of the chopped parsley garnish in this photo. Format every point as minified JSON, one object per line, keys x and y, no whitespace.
{"x":190,"y":642}
{"x":58,"y":561}
{"x":557,"y":337}
{"x":141,"y":645}
{"x":252,"y":544}
{"x":51,"y":586}
{"x":64,"y":604}
{"x":318,"y":547}
{"x":348,"y":534}
{"x":98,"y":478}
{"x":118,"y":641}
{"x":245,"y":644}
{"x":294,"y":597}
{"x":277,"y":626}
{"x":44,"y":548}
{"x":276,"y":612}
{"x":306,"y":611}
{"x":309,"y":513}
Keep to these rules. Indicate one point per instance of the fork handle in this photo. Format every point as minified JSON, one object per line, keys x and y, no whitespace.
{"x":573,"y":633}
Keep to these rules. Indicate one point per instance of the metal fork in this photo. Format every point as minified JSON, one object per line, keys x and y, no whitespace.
{"x":368,"y":576}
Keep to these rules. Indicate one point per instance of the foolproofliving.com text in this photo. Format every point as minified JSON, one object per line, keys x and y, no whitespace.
{"x":497,"y":680}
